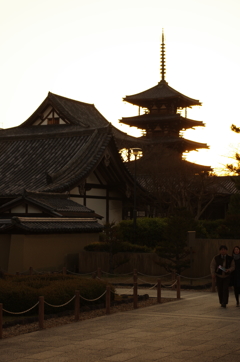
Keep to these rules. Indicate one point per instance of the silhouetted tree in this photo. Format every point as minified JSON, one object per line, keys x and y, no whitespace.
{"x":173,"y":251}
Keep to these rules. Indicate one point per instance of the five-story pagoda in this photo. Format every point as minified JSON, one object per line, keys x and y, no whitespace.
{"x":162,"y":123}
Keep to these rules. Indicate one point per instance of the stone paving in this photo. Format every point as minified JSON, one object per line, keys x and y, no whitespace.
{"x":194,"y":328}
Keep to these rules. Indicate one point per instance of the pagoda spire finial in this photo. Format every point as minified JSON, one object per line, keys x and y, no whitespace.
{"x":162,"y":60}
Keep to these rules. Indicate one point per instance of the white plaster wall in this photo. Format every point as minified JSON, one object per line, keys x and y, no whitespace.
{"x":20,"y":209}
{"x":99,"y":206}
{"x":115,"y":211}
{"x":49,"y":109}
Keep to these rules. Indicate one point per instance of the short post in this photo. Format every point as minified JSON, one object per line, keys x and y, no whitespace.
{"x":31,"y":270}
{"x":1,"y":320}
{"x":213,"y":285}
{"x":108,"y":299}
{"x":94,"y":275}
{"x":173,"y":279}
{"x":135,"y":277}
{"x":178,"y":287}
{"x":99,"y":272}
{"x":135,"y":295}
{"x":159,"y":291}
{"x":77,"y":305}
{"x":41,"y":312}
{"x":64,"y":270}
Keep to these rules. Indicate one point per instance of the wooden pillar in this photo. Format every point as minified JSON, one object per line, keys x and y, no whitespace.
{"x":159,"y":291}
{"x":173,"y":279}
{"x":41,"y":313}
{"x":108,"y":299}
{"x":77,"y":305}
{"x":178,"y":287}
{"x":135,"y":295}
{"x":135,"y":275}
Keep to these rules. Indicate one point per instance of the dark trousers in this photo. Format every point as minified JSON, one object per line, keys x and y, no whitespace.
{"x":223,"y":289}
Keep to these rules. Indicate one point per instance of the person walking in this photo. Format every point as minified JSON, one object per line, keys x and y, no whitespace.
{"x":235,"y":276}
{"x":221,"y":266}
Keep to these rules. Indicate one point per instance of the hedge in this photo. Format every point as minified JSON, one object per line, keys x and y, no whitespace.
{"x":19,"y":293}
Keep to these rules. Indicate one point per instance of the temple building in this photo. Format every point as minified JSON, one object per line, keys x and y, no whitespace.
{"x":61,"y":179}
{"x":162,"y":122}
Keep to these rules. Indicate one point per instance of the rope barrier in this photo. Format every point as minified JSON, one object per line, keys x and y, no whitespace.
{"x":93,"y":300}
{"x":154,"y":276}
{"x":170,"y":286}
{"x":144,"y":281}
{"x":154,"y":286}
{"x":61,"y":305}
{"x":70,"y":272}
{"x":124,"y":280}
{"x":112,"y":274}
{"x":7,"y":311}
{"x":116,"y":274}
{"x":207,"y":276}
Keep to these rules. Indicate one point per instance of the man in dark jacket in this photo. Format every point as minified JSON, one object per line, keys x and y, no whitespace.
{"x":221,"y":266}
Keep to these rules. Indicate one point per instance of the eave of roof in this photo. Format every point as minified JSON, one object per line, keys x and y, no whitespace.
{"x":162,"y":91}
{"x":57,"y":205}
{"x":50,"y":225}
{"x":144,"y":119}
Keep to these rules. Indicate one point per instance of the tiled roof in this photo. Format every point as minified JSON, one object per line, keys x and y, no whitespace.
{"x":53,"y":204}
{"x":77,"y":113}
{"x":226,"y":185}
{"x":162,"y":91}
{"x":49,"y":225}
{"x":50,"y":161}
{"x":58,"y":202}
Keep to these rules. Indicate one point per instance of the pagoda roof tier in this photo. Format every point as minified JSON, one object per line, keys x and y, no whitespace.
{"x":179,"y":143}
{"x":181,"y":164}
{"x":161,"y":92}
{"x":168,"y":141}
{"x":143,"y":120}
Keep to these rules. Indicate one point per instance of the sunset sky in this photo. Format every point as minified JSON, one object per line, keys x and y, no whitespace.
{"x":100,"y":51}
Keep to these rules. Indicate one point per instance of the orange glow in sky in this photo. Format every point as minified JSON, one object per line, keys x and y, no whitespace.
{"x":100,"y":51}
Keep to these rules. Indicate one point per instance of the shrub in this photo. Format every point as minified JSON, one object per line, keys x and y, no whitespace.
{"x":19,"y":293}
{"x":149,"y":231}
{"x":210,"y":229}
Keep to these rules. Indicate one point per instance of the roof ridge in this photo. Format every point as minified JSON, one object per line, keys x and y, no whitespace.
{"x":69,"y":99}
